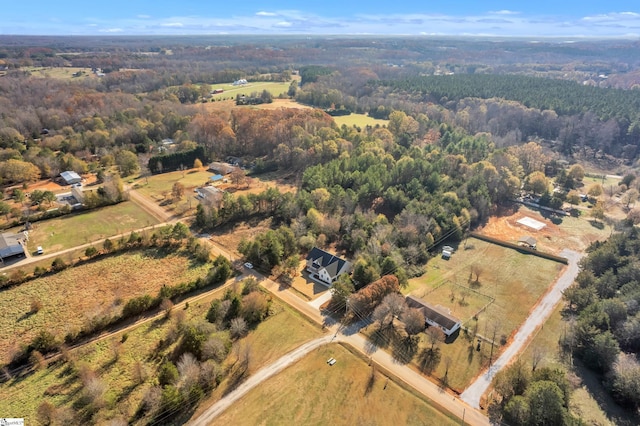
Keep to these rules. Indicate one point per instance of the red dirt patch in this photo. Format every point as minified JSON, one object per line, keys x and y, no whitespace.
{"x":567,"y":232}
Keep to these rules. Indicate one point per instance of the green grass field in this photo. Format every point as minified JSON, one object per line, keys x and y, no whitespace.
{"x":84,"y":227}
{"x":359,"y":120}
{"x":156,"y":186}
{"x":60,"y":72}
{"x":312,"y":393}
{"x":60,"y":384}
{"x":275,"y":88}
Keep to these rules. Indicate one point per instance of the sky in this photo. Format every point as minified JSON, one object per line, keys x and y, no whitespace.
{"x":536,"y":18}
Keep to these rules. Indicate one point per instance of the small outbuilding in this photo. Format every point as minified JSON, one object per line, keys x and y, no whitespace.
{"x":221,"y":168}
{"x":210,"y":195}
{"x":528,"y":242}
{"x":435,"y":317}
{"x":70,"y":177}
{"x":11,"y":245}
{"x":216,"y":178}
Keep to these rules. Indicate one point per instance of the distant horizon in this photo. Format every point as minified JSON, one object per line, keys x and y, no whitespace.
{"x":492,"y":18}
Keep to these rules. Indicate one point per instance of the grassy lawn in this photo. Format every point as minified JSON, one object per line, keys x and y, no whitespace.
{"x":515,"y":280}
{"x":312,"y":393}
{"x":72,"y":298}
{"x":60,"y":384}
{"x":60,"y":72}
{"x":155,"y":186}
{"x":359,"y":120}
{"x":80,"y":228}
{"x":275,"y":88}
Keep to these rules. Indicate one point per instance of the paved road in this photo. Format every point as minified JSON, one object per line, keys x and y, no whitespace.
{"x":538,"y":316}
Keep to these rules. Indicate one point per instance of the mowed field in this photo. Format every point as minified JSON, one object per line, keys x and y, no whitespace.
{"x":274,"y":87}
{"x":60,"y":72}
{"x":60,"y":384}
{"x":71,"y":298}
{"x":348,"y":393}
{"x":84,"y":227}
{"x":515,"y":280}
{"x":359,"y":120}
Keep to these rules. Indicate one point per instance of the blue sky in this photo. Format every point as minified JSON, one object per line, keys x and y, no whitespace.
{"x":540,"y":18}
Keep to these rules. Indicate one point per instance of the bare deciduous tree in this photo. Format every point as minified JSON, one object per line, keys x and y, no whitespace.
{"x":166,"y":305}
{"x":413,"y":320}
{"x":238,"y":327}
{"x":189,"y":370}
{"x":537,"y":355}
{"x":390,"y":308}
{"x":434,"y":336}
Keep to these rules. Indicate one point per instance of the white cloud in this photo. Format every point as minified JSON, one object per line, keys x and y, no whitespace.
{"x":494,"y":23}
{"x":504,"y":12}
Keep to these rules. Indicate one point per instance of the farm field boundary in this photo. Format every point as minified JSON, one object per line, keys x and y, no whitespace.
{"x":527,"y":250}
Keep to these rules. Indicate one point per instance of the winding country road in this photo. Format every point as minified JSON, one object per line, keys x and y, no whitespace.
{"x":283,"y":362}
{"x":443,"y":400}
{"x":538,"y":316}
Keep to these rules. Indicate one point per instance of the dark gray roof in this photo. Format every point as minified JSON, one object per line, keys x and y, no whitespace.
{"x":10,"y":245}
{"x":432,"y":313}
{"x":322,"y":259}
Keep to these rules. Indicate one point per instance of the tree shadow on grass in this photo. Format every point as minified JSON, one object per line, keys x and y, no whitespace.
{"x":370,"y":382}
{"x":428,"y":360}
{"x":403,"y":350}
{"x":379,"y":338}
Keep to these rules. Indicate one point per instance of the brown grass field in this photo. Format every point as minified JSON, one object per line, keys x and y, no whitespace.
{"x":516,"y":281}
{"x":71,"y":298}
{"x":60,"y":385}
{"x":347,"y":393}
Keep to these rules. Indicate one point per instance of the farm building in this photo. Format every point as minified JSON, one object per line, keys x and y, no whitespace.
{"x":326,"y":266}
{"x":434,"y":316}
{"x":70,"y":177}
{"x":221,"y":168}
{"x":528,"y":242}
{"x":210,"y":195}
{"x":11,"y":245}
{"x":216,"y":179}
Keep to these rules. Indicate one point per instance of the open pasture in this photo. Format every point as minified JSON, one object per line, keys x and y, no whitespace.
{"x":84,"y":227}
{"x":61,"y":385}
{"x":276,"y":88}
{"x":313,"y":393}
{"x":76,"y":296}
{"x":359,"y":120}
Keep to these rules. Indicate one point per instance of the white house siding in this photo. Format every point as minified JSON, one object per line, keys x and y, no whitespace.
{"x":324,"y":276}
